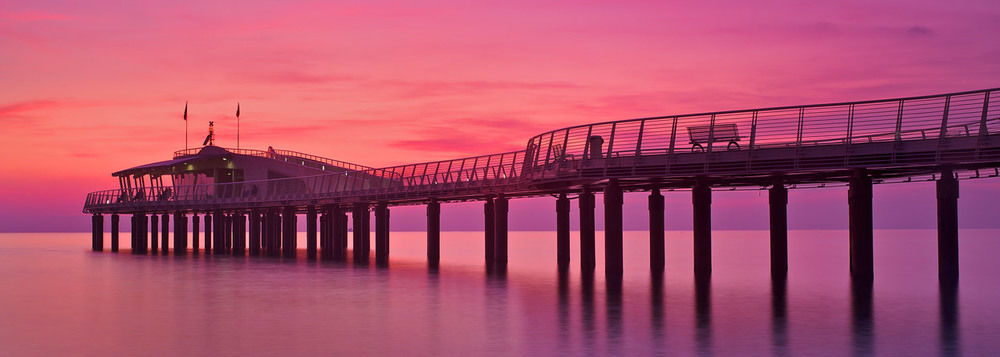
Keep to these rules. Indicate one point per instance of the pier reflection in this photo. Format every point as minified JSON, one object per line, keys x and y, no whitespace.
{"x":703,"y":313}
{"x":862,"y":331}
{"x":950,"y":344}
{"x":779,"y":314}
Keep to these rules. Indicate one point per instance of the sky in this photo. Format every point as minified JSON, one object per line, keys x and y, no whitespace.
{"x":88,"y":88}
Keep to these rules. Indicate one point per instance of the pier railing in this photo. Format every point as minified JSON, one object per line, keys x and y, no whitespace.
{"x":560,"y":153}
{"x":477,"y":173}
{"x":314,"y":161}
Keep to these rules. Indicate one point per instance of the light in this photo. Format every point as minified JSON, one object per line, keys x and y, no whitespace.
{"x":324,"y":167}
{"x":108,"y":202}
{"x":223,"y":159}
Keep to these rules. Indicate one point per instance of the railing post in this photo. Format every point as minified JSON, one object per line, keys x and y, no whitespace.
{"x":638,"y":141}
{"x":944,"y":117}
{"x":798,"y":132}
{"x":611,"y":142}
{"x":711,"y":135}
{"x":983,"y":130}
{"x":899,"y":121}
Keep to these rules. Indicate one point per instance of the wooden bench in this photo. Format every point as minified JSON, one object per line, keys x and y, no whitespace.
{"x":702,"y":134}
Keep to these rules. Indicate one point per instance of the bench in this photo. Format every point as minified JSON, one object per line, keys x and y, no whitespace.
{"x":702,"y":134}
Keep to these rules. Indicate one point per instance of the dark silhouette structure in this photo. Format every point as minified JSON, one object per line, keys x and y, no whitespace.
{"x":936,"y":137}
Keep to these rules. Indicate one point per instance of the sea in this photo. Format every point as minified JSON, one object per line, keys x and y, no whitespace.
{"x":58,"y":298}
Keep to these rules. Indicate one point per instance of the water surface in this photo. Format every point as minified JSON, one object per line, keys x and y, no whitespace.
{"x":59,"y":298}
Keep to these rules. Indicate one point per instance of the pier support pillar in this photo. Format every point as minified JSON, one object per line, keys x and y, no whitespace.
{"x":778,"y":202}
{"x":208,"y":233}
{"x":195,"y":228}
{"x":489,"y":231}
{"x":613,"y":251}
{"x":325,"y":234}
{"x":501,"y":205}
{"x":362,"y":232}
{"x":947,"y":217}
{"x":239,"y":234}
{"x":219,"y":238}
{"x":657,"y":230}
{"x":382,"y":234}
{"x":859,"y":197}
{"x":271,"y":232}
{"x":227,"y":244}
{"x":288,"y":241}
{"x":339,"y":220}
{"x":97,"y":238}
{"x":433,"y":233}
{"x":254,"y":249}
{"x":588,"y":260}
{"x":139,"y":233}
{"x":114,"y":232}
{"x":180,"y":233}
{"x":701,"y":196}
{"x":311,"y":226}
{"x":154,"y":232}
{"x":562,"y":232}
{"x":165,"y":233}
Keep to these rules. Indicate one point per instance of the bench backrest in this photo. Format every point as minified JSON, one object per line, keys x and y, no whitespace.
{"x":723,"y":132}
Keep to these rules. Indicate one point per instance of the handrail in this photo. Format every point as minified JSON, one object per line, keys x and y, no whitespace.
{"x":899,"y":119}
{"x":482,"y":171}
{"x":281,"y":154}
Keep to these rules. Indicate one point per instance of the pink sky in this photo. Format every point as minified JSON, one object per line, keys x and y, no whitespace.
{"x":89,"y":88}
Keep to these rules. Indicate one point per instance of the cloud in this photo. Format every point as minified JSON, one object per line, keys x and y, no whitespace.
{"x":418,"y":89}
{"x":34,"y":16}
{"x":299,"y":77}
{"x":919,"y":31}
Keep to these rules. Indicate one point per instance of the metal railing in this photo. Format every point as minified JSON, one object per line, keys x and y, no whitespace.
{"x":560,"y":153}
{"x":438,"y":177}
{"x":314,"y":161}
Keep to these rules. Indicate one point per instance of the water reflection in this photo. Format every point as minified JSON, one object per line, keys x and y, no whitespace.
{"x":861,"y":316}
{"x":613,"y":303}
{"x":703,"y":313}
{"x":587,"y":306}
{"x":950,"y":345}
{"x":779,"y":313}
{"x":656,"y":314}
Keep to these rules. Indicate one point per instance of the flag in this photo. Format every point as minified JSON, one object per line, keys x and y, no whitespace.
{"x":237,"y":109}
{"x":185,"y":111}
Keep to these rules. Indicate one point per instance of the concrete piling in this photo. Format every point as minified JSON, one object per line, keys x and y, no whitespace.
{"x":311,"y":226}
{"x":382,"y":234}
{"x":562,"y":232}
{"x":778,"y":203}
{"x":947,"y":223}
{"x":588,"y":259}
{"x":613,"y":249}
{"x":154,"y":232}
{"x":701,"y":196}
{"x":164,"y":233}
{"x":657,"y":247}
{"x":433,"y":233}
{"x":501,"y":205}
{"x":861,"y":229}
{"x":362,"y":235}
{"x":490,"y":227}
{"x":114,"y":232}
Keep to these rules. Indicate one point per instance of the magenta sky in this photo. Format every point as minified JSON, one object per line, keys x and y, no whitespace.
{"x":88,"y":88}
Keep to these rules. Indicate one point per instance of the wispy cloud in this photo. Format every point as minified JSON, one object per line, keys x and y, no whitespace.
{"x":34,"y":16}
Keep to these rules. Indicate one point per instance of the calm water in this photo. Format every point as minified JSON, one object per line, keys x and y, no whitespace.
{"x":58,"y":298}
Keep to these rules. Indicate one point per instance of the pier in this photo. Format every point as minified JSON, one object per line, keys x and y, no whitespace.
{"x":250,"y":200}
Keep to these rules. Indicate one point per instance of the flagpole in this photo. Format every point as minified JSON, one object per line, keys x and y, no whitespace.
{"x":185,"y":127}
{"x":237,"y":125}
